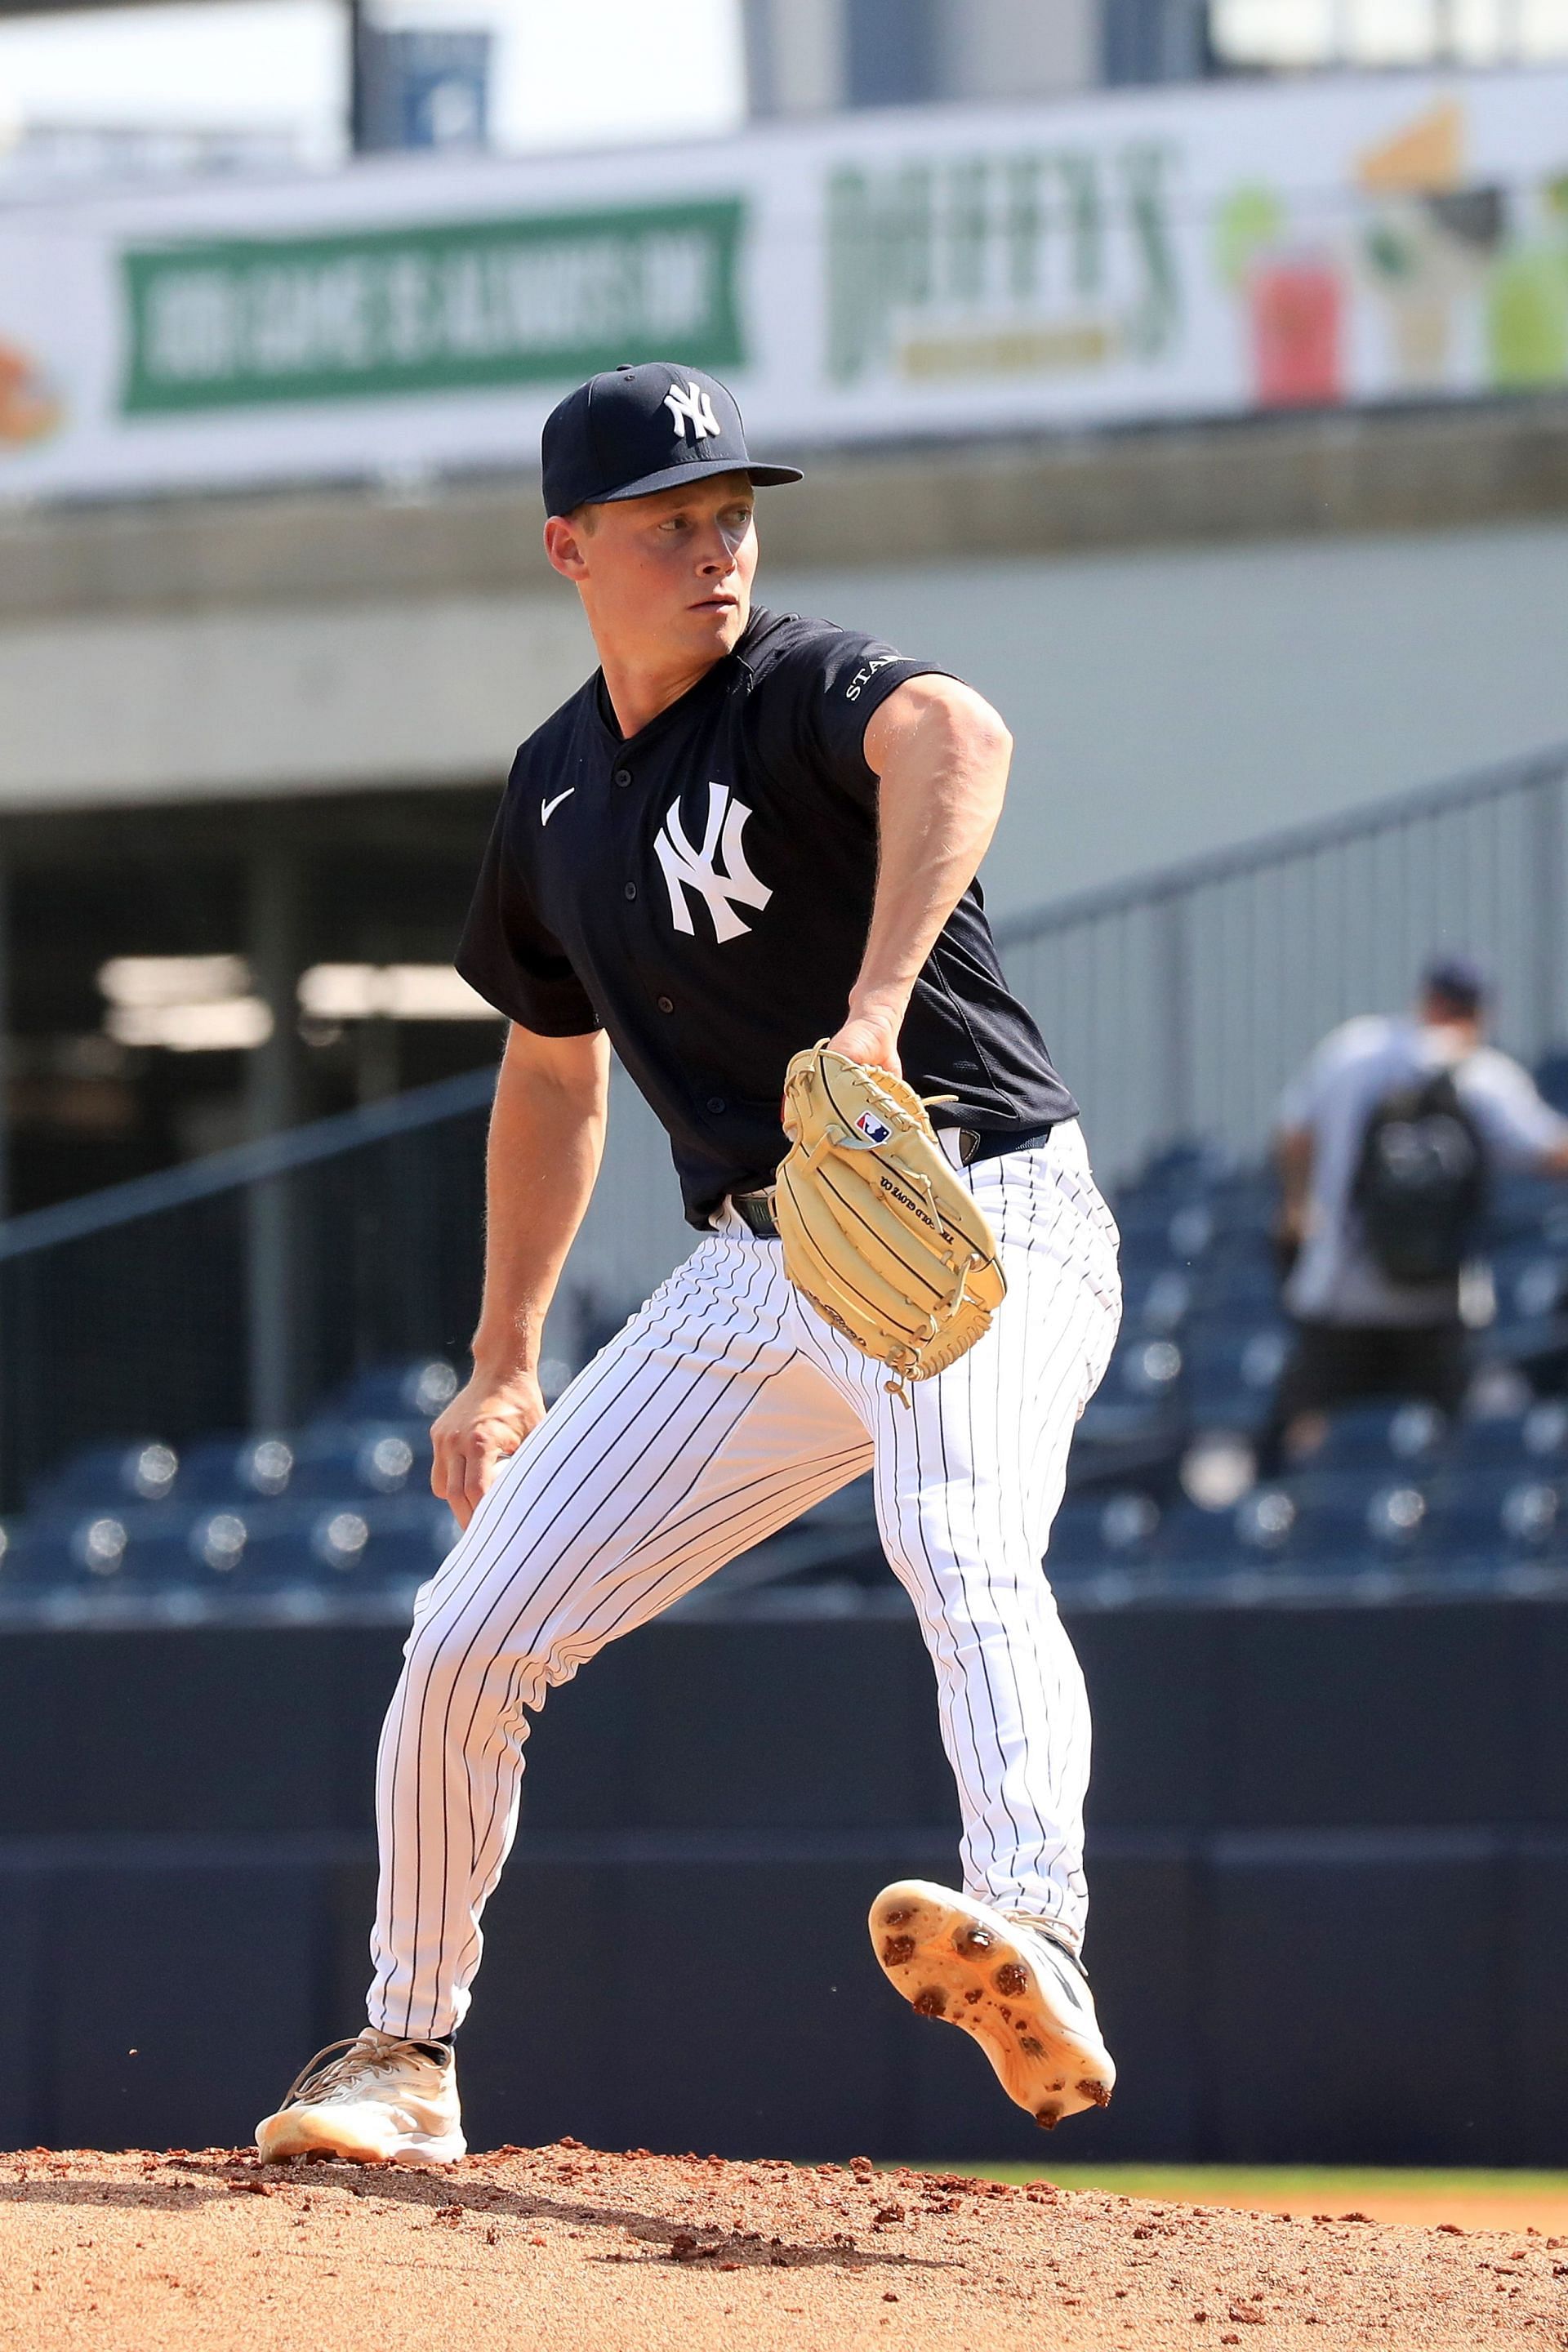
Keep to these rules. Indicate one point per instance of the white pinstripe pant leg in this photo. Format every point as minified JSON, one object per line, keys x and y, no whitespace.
{"x":968,"y":1482}
{"x":701,"y":1428}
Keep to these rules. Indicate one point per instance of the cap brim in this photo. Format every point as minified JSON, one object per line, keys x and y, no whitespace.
{"x":699,"y":469}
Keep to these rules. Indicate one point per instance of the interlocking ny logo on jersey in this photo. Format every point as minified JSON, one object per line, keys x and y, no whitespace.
{"x":723,"y":885}
{"x":692,"y":407}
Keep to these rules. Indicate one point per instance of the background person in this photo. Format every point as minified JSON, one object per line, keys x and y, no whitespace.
{"x":1373,"y":1316}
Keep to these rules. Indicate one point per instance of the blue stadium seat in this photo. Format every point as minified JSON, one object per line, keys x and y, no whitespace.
{"x":1246,"y":1202}
{"x":1192,"y":1540}
{"x":38,"y":1553}
{"x":234,"y":1468}
{"x":1383,"y":1435}
{"x":1099,"y":1532}
{"x":1347,"y":1520}
{"x":233,"y":1546}
{"x":1534,"y":1441}
{"x":138,"y":1470}
{"x":347,"y":1540}
{"x":367,"y":1458}
{"x":112,"y":1547}
{"x":407,"y":1392}
{"x":1156,"y":1297}
{"x":1232,"y":1366}
{"x":1143,"y":1370}
{"x":1531,"y":1290}
{"x":1522,"y":1205}
{"x":1237,"y":1283}
{"x":1497,"y":1514}
{"x":1258,"y":1532}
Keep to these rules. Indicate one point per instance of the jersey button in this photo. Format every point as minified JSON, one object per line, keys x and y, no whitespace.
{"x":631,"y":889}
{"x":716,"y":1104}
{"x":622,"y":775}
{"x":665,"y":1004}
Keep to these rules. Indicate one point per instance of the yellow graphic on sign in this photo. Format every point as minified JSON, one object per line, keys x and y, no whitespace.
{"x":1427,"y":155}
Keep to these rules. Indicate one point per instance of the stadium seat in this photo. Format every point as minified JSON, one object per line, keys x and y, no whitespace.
{"x":139,"y":1470}
{"x":1552,"y":1077}
{"x":1156,"y":1297}
{"x":1347,"y":1521}
{"x":1535,"y":1440}
{"x":221,"y":1469}
{"x":416,"y":1390}
{"x":1383,"y":1435}
{"x":350,"y":1540}
{"x":1522,"y":1207}
{"x":1103,"y":1531}
{"x":1237,"y":1273}
{"x":1505,"y":1512}
{"x":1232,"y":1365}
{"x":1144,"y":1370}
{"x":369,"y":1458}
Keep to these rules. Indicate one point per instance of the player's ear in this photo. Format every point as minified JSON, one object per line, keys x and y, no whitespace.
{"x":564,"y":538}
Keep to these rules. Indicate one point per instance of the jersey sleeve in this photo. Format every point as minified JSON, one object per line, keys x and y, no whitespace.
{"x":1520,"y":1125}
{"x":1312,"y":1092}
{"x":819,"y":696}
{"x":508,"y":954}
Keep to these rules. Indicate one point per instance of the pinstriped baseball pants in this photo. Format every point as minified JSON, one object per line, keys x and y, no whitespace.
{"x":726,"y":1407}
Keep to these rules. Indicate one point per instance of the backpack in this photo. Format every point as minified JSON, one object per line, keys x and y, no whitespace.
{"x":1421,"y":1186}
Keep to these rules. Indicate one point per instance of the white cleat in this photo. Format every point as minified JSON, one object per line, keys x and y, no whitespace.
{"x":1023,"y":1997}
{"x":375,"y":2099}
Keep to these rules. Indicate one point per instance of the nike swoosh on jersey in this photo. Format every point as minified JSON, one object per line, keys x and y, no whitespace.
{"x":548,"y":808}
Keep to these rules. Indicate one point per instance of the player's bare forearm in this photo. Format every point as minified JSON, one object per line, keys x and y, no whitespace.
{"x":940,"y":754}
{"x":1293,"y":1160}
{"x":546,"y":1138}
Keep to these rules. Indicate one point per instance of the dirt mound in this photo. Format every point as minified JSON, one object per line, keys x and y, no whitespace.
{"x":565,"y":2248}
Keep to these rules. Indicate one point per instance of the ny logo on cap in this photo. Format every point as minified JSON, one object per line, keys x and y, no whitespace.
{"x":692,"y":407}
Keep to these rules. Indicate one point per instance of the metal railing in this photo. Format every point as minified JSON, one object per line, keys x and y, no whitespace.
{"x":238,"y":1291}
{"x":1177,"y":1005}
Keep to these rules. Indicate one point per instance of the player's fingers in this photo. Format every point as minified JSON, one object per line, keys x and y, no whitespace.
{"x":480,"y":1458}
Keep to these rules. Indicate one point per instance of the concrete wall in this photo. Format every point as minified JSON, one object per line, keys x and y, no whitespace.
{"x":210,"y":703}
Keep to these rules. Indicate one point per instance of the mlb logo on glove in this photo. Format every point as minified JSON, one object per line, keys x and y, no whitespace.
{"x":872,"y":1127}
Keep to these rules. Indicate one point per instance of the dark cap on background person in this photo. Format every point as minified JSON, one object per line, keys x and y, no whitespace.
{"x":636,"y":429}
{"x":1459,"y":980}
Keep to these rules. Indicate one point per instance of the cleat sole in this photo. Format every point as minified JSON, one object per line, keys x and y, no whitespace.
{"x":956,"y":1960}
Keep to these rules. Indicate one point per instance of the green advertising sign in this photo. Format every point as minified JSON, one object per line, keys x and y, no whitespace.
{"x":462,"y":306}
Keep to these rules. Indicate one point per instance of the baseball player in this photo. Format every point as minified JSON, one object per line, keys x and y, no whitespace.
{"x":747,"y":831}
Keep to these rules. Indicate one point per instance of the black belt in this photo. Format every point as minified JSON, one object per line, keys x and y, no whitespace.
{"x":756,"y":1208}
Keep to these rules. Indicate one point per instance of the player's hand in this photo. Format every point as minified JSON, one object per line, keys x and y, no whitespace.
{"x":483,"y":1425}
{"x":870,"y":1038}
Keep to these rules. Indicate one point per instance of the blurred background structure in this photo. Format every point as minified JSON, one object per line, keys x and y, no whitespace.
{"x":1192,"y":378}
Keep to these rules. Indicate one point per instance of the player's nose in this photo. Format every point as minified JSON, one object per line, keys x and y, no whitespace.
{"x":715,"y":551}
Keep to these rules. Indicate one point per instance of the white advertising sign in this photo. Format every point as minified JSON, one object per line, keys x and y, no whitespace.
{"x":1194,"y":252}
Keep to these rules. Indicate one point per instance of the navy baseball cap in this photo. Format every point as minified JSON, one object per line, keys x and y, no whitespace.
{"x":636,"y":429}
{"x":1460,"y":979}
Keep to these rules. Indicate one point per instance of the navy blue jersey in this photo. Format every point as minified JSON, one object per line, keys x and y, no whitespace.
{"x":702,"y":891}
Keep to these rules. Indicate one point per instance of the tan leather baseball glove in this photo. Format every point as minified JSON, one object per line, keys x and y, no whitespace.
{"x":880,"y":1233}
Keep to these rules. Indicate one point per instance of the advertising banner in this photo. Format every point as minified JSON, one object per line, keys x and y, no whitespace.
{"x":940,"y":272}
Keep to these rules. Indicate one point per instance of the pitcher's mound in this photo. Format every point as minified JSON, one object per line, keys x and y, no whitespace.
{"x":568,"y":2249}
